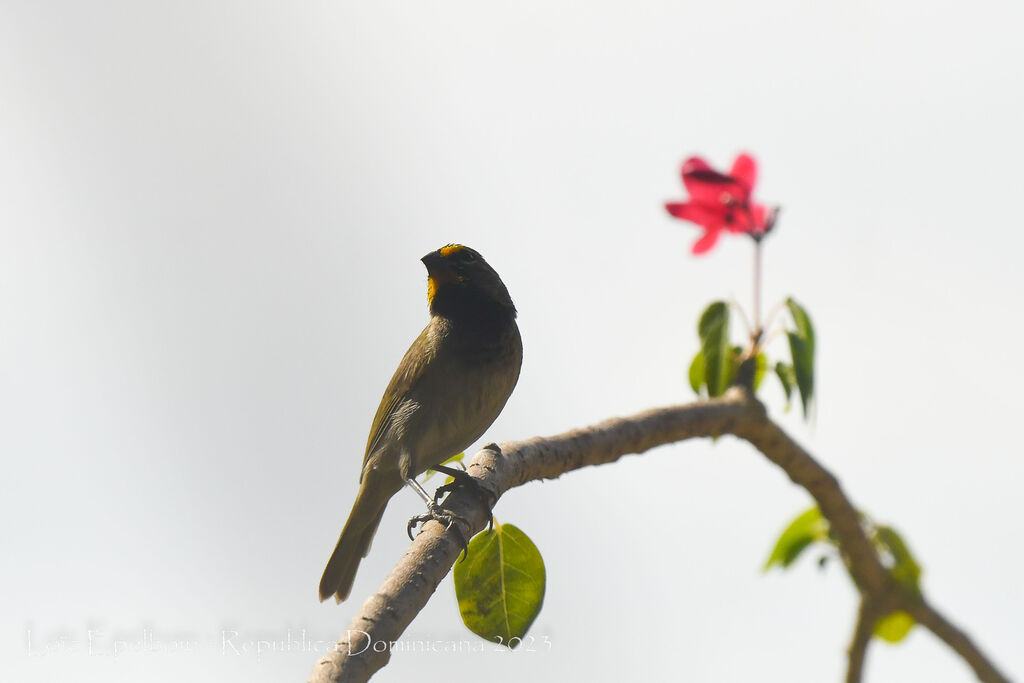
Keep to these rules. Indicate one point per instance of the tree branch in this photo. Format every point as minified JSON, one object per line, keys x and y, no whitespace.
{"x":867,"y":615}
{"x":957,"y":640}
{"x":365,"y":647}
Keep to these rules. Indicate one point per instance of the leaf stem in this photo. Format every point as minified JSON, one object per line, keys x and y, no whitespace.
{"x":735,"y":305}
{"x":773,"y":313}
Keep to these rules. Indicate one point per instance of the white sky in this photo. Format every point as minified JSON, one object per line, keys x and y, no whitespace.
{"x":210,"y":224}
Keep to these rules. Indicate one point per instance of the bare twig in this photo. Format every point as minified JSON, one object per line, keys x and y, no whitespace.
{"x":365,"y":647}
{"x":867,"y":615}
{"x":957,"y":640}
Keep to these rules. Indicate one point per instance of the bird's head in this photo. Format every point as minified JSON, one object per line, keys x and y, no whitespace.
{"x":459,"y":278}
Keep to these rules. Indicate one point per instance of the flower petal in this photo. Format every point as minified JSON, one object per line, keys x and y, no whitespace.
{"x":746,"y":218}
{"x":711,"y":217}
{"x":736,"y":220}
{"x":708,"y":186}
{"x":760,"y":214}
{"x":744,"y":171}
{"x":705,"y":243}
{"x":694,"y":164}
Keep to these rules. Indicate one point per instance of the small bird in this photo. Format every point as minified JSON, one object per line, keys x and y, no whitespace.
{"x":451,"y":385}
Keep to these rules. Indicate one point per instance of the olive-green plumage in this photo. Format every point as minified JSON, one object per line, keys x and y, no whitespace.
{"x":451,"y":385}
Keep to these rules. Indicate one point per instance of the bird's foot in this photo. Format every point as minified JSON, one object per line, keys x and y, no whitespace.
{"x":462,"y":479}
{"x":438,"y":514}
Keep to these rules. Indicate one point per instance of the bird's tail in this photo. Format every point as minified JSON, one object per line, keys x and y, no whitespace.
{"x":353,"y":544}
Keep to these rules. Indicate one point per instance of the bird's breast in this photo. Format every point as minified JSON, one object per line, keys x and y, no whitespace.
{"x":460,"y":399}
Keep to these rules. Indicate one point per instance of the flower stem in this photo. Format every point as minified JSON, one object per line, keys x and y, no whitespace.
{"x":757,"y":292}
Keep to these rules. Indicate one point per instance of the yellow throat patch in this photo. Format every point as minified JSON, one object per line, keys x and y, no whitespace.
{"x":435,"y":280}
{"x":431,"y":289}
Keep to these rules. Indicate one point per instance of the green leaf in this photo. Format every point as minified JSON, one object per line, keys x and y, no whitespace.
{"x":803,"y":366}
{"x":787,"y":377}
{"x":736,"y":360}
{"x":894,"y":627}
{"x":808,"y":527}
{"x":697,"y":373}
{"x":500,"y":585}
{"x":760,"y":369}
{"x":904,"y":568}
{"x":801,"y":346}
{"x":734,"y":364}
{"x":804,"y":328}
{"x":713,"y":330}
{"x":455,"y":458}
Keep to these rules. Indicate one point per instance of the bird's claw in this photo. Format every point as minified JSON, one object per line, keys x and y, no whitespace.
{"x":434,"y":512}
{"x":462,"y":479}
{"x":438,"y":514}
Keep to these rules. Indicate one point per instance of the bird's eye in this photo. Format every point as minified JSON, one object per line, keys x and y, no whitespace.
{"x":466,"y":256}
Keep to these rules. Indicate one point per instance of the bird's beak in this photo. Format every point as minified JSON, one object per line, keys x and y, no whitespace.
{"x":433,"y":261}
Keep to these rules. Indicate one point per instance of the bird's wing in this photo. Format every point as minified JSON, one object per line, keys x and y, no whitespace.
{"x":406,"y":377}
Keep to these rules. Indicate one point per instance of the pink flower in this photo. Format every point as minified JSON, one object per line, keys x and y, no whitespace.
{"x":722,"y":202}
